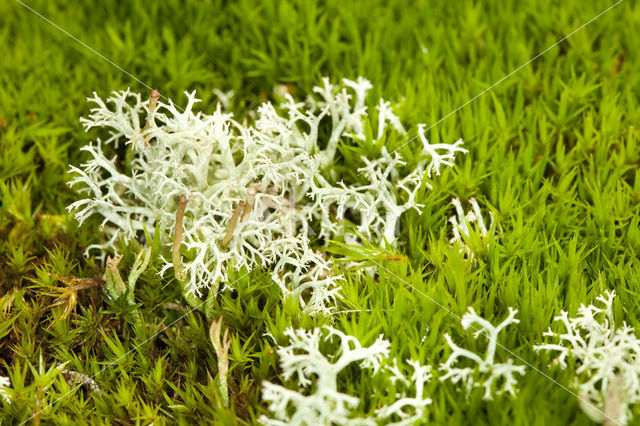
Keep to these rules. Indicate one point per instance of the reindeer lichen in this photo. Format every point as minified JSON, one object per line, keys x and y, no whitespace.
{"x":256,"y":193}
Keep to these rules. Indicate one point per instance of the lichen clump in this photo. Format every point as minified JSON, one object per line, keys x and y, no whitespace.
{"x":257,"y":194}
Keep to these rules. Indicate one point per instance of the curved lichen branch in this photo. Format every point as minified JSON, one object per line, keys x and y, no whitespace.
{"x":487,"y":371}
{"x":438,"y":159}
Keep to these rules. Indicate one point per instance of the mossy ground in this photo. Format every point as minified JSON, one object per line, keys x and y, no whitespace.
{"x":553,"y":153}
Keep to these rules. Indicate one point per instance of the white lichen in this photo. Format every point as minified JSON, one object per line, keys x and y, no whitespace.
{"x":494,"y":377}
{"x":607,"y":360}
{"x":318,"y":399}
{"x":256,"y":193}
{"x":432,"y":152}
{"x":410,"y":400}
{"x":463,"y":224}
{"x":5,"y":383}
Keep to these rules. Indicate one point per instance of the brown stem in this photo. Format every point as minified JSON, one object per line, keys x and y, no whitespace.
{"x":177,"y":240}
{"x":153,"y":100}
{"x":232,"y":224}
{"x":251,"y":199}
{"x":153,"y":104}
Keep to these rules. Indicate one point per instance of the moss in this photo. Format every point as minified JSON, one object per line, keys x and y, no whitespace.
{"x":553,"y":154}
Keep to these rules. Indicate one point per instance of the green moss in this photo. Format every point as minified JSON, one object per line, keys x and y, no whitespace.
{"x":553,"y":153}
